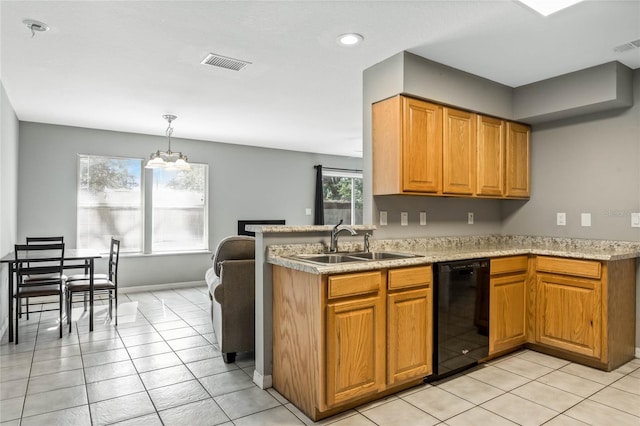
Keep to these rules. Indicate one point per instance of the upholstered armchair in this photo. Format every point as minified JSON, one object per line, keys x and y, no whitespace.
{"x":231,"y":281}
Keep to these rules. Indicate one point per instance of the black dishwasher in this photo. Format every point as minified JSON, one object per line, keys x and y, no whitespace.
{"x":461,"y":316}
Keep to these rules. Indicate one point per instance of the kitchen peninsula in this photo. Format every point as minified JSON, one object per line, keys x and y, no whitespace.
{"x":591,"y":273}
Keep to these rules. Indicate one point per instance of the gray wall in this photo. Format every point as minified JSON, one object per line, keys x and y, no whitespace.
{"x":583,"y":165}
{"x":8,"y":194}
{"x":586,"y":164}
{"x":244,"y":183}
{"x":411,"y":74}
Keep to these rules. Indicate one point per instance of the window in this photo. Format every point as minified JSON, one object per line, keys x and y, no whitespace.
{"x":179,"y":209}
{"x":342,"y":196}
{"x":109,"y":202}
{"x":111,"y":191}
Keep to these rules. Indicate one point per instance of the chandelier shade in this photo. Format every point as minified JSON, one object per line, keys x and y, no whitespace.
{"x":168,"y":159}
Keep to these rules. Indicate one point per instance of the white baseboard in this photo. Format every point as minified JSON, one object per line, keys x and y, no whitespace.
{"x":263,"y":382}
{"x":158,"y":287}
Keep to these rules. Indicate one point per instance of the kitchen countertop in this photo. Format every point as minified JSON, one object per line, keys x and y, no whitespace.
{"x":443,"y":249}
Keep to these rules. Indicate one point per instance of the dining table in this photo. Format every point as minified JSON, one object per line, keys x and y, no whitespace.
{"x":73,"y":259}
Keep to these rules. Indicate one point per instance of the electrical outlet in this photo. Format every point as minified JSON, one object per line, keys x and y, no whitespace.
{"x":635,"y":220}
{"x":404,"y":218}
{"x":307,"y":211}
{"x":470,"y":218}
{"x":585,"y":219}
{"x":561,"y":219}
{"x":423,"y":218}
{"x":383,"y":218}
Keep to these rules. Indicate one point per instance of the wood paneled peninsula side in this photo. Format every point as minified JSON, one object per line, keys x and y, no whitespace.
{"x":345,"y":334}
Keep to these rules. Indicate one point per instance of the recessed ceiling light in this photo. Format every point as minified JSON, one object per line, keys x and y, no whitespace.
{"x":547,"y":7}
{"x":350,"y":39}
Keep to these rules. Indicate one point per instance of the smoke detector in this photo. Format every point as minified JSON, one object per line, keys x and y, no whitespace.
{"x":627,"y":46}
{"x":224,"y":62}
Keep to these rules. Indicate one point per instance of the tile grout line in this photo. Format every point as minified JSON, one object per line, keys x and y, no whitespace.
{"x":126,"y":348}
{"x":84,"y":372}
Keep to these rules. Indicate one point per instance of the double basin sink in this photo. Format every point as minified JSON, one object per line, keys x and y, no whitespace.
{"x":332,"y":258}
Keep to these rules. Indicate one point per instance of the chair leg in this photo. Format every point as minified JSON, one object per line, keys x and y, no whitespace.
{"x":86,"y":298}
{"x":61,"y":298}
{"x":115,"y":299}
{"x":27,"y":308}
{"x":69,"y":306}
{"x":17,"y":316}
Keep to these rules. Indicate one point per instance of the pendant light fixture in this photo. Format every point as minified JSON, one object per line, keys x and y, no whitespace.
{"x":168,"y":159}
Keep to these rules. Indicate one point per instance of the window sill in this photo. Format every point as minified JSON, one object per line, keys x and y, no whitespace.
{"x":167,"y":253}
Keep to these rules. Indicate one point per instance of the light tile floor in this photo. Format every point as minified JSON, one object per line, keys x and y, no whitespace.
{"x":160,"y":366}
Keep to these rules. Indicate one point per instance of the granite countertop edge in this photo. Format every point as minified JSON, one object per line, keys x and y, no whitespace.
{"x":427,"y":257}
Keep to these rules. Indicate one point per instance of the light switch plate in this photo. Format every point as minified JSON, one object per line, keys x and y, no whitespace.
{"x":470,"y":218}
{"x":635,"y":220}
{"x":561,"y":219}
{"x":383,"y":218}
{"x":307,"y":211}
{"x":404,"y":218}
{"x":585,"y":219}
{"x":423,"y":218}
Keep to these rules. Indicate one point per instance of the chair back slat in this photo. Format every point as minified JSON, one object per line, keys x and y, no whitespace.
{"x":40,"y":259}
{"x":38,"y":240}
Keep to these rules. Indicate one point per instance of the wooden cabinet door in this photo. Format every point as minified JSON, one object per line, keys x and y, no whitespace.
{"x":517,"y":154}
{"x":409,"y":335}
{"x":569,"y":314}
{"x":355,"y":360}
{"x":421,"y":147}
{"x":507,"y":312}
{"x":459,"y":152}
{"x":490,"y":174}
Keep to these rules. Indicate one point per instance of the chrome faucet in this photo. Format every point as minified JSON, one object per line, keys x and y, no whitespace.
{"x":334,"y":235}
{"x":366,"y":242}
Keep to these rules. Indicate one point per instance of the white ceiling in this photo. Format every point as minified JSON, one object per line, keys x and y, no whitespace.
{"x":120,"y":65}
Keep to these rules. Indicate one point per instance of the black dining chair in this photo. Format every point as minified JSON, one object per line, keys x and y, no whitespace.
{"x":39,"y":273}
{"x":41,"y":240}
{"x":102,"y":284}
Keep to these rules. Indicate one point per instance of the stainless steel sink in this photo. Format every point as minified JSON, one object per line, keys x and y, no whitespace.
{"x":332,"y":258}
{"x":382,"y":255}
{"x":329,"y":258}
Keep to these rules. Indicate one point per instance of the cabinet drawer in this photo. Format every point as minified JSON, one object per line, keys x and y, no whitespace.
{"x":509,"y":265}
{"x":574,"y":267}
{"x":409,"y":277}
{"x":354,"y":284}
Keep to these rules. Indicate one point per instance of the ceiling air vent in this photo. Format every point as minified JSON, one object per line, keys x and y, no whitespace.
{"x":628,"y":46}
{"x":224,"y":62}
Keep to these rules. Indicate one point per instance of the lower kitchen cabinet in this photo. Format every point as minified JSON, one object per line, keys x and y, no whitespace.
{"x":569,"y":314}
{"x":345,"y":339}
{"x":585,"y":309}
{"x":409,"y":324}
{"x":507,"y":303}
{"x":355,"y":349}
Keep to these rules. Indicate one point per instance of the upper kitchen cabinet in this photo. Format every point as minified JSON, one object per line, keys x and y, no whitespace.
{"x":407,"y":147}
{"x":491,"y":157}
{"x":517,"y":173}
{"x":459,"y":152}
{"x":423,"y":148}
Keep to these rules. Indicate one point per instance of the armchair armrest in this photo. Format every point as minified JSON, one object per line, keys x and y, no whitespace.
{"x":236,"y":298}
{"x":237,"y":282}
